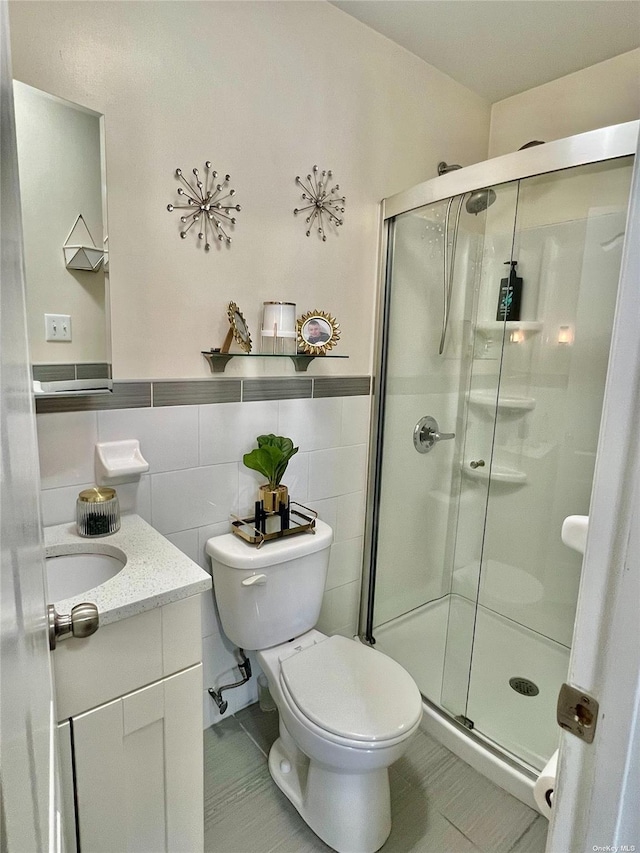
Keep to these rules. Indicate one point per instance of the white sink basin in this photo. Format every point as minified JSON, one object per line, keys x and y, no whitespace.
{"x":70,"y":573}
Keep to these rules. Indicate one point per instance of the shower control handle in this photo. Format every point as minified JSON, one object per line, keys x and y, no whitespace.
{"x":426,"y":434}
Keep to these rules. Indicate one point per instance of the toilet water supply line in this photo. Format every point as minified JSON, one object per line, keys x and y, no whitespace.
{"x":245,"y":668}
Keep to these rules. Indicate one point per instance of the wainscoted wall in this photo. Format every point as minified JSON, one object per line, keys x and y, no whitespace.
{"x":196,"y":477}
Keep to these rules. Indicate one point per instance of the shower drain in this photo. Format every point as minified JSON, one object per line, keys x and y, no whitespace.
{"x":524,"y":686}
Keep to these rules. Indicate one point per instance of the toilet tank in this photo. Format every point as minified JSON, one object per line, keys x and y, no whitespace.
{"x":271,"y":594}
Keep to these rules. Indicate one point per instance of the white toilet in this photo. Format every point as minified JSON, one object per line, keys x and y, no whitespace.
{"x":347,"y":712}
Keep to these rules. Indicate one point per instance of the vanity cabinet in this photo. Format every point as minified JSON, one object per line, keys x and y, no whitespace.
{"x":129,"y":704}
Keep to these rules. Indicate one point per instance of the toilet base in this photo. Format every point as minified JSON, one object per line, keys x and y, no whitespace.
{"x":351,"y":812}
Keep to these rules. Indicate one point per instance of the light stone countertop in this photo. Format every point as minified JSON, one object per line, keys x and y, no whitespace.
{"x":156,"y":572}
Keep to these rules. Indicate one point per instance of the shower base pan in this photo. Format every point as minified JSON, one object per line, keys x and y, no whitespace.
{"x":513,"y":733}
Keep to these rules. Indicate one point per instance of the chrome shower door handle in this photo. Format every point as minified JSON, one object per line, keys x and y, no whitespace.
{"x":426,"y":434}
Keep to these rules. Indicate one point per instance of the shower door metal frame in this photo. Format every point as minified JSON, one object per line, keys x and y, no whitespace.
{"x":594,"y":146}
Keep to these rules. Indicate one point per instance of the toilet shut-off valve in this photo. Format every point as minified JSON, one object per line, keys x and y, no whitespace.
{"x":245,"y":668}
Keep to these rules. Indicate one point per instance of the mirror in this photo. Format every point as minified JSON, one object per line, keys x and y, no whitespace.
{"x":239,"y":330}
{"x":61,"y":164}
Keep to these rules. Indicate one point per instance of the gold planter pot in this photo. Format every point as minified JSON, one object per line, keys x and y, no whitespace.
{"x":273,"y":499}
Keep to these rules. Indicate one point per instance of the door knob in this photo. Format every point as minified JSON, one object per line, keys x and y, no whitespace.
{"x":83,"y":621}
{"x":427,"y":432}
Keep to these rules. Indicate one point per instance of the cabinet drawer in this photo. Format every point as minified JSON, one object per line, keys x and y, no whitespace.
{"x":126,"y":655}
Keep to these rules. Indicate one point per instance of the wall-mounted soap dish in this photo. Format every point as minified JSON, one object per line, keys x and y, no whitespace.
{"x":119,"y":462}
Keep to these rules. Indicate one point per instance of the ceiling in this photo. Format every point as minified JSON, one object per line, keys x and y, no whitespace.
{"x":498,"y":48}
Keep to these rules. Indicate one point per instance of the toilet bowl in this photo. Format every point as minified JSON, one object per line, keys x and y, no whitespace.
{"x":347,"y":712}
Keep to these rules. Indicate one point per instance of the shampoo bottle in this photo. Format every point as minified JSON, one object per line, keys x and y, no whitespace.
{"x":510,"y":295}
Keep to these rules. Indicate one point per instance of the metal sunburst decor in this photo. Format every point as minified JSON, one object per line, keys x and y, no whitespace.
{"x":207,"y":204}
{"x":323,"y":201}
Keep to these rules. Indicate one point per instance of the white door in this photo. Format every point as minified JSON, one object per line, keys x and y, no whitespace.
{"x":30,"y":811}
{"x":596,"y":805}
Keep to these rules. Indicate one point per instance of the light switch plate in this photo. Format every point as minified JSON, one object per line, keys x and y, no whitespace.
{"x":57,"y":327}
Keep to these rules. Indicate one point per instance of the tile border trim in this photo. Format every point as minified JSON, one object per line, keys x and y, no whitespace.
{"x":198,"y":392}
{"x":60,"y":372}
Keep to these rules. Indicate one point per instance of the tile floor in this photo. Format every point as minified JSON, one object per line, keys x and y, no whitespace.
{"x":439,"y":804}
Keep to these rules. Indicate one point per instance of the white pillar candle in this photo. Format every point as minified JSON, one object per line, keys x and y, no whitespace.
{"x":279,"y":328}
{"x":281,"y":316}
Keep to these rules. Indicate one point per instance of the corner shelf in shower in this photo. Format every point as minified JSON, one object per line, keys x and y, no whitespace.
{"x":495,"y":328}
{"x":497,"y":474}
{"x":506,"y":401}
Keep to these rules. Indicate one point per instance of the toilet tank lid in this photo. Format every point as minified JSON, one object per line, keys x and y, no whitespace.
{"x":234,"y":552}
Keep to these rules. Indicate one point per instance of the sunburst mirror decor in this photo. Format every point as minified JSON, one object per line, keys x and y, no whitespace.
{"x":239,"y":330}
{"x":324,"y":206}
{"x":207,"y":204}
{"x":318,"y":332}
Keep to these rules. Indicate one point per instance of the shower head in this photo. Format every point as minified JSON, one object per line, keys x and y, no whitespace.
{"x":480,"y":200}
{"x":444,"y":168}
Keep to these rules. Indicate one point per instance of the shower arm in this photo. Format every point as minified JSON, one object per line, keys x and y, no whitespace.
{"x":449,"y":267}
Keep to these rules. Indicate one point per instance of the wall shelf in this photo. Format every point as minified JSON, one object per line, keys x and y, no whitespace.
{"x":219,"y":360}
{"x":506,"y":401}
{"x":497,"y":474}
{"x":496,"y":328}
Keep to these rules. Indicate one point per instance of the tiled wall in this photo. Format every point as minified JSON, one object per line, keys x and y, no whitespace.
{"x":196,"y":479}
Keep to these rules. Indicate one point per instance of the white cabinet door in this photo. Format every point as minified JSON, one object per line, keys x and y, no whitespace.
{"x":67,"y":791}
{"x":139,"y":774}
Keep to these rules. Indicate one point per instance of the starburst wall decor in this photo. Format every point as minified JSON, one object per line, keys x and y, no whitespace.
{"x":323,"y":201}
{"x":207,"y":204}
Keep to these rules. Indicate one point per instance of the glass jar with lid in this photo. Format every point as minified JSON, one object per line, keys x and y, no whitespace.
{"x":97,"y":511}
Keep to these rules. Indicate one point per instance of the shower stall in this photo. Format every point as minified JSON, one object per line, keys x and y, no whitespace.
{"x":486,"y":424}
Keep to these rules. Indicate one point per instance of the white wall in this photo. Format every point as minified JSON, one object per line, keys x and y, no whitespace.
{"x":598,"y":96}
{"x":237,"y":83}
{"x":264,"y":90}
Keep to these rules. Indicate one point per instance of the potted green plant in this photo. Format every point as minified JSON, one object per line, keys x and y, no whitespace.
{"x":271,"y":458}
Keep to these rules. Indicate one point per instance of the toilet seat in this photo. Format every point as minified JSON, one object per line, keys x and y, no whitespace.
{"x":351,"y":694}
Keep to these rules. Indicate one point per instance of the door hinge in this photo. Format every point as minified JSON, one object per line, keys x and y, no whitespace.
{"x":577,"y":712}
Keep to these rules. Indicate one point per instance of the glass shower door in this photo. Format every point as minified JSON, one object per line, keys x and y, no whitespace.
{"x":474,"y":592}
{"x":419,"y":506}
{"x":416,"y":495}
{"x":475,"y":465}
{"x":568,"y":245}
